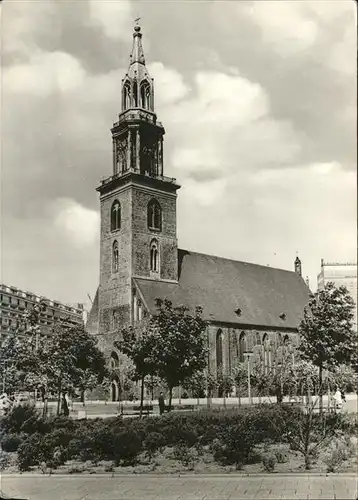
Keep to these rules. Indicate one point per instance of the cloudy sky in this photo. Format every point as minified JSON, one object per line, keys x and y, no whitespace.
{"x":259,"y":104}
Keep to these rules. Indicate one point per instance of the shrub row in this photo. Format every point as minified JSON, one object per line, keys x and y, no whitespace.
{"x":231,"y":435}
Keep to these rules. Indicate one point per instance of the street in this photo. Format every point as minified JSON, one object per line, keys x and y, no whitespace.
{"x":188,"y":487}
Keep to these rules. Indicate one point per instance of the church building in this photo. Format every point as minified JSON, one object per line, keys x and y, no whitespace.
{"x":249,"y":307}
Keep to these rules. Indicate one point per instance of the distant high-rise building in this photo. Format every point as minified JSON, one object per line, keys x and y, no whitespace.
{"x":14,"y":303}
{"x":340,"y":274}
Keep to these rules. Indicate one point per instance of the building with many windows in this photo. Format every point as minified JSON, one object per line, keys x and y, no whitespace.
{"x":14,"y":303}
{"x":339,"y":273}
{"x":250,"y":307}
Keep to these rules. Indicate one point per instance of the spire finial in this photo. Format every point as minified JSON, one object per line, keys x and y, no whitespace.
{"x":137,"y":50}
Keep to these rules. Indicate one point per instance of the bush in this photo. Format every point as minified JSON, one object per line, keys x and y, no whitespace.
{"x":339,"y":450}
{"x":11,"y":442}
{"x":269,"y":463}
{"x":281,"y":456}
{"x":33,"y":451}
{"x":236,"y":441}
{"x":185,"y":455}
{"x":22,"y":418}
{"x":153,"y":442}
{"x":127,"y":446}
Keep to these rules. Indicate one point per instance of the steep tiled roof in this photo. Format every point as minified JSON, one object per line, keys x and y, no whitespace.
{"x":261,"y":295}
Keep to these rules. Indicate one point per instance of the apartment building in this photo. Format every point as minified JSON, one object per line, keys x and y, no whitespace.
{"x":339,"y":273}
{"x":14,"y":303}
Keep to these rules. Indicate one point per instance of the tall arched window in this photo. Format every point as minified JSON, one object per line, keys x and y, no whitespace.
{"x":243,"y":345}
{"x":219,"y":351}
{"x":115,"y":257}
{"x":145,"y":95}
{"x":154,"y":215}
{"x":115,"y":215}
{"x":135,"y":94}
{"x":154,"y":256}
{"x":127,"y":95}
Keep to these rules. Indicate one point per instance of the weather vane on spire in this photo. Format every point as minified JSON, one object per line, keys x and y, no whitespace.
{"x":137,"y":21}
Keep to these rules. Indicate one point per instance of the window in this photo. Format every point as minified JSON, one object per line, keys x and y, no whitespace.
{"x":127,"y":95}
{"x":145,"y":95}
{"x":154,"y":256}
{"x":115,"y":215}
{"x":243,"y":345}
{"x":135,"y":95}
{"x":154,"y":216}
{"x":219,"y":350}
{"x":115,"y":257}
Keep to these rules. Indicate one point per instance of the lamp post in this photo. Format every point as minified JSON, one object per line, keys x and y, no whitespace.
{"x":248,"y":355}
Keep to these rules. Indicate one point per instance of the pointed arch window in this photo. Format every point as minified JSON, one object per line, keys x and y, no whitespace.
{"x":115,"y":257}
{"x":135,"y":95}
{"x":115,"y":215}
{"x":127,"y":95}
{"x":154,"y":256}
{"x":145,"y":95}
{"x":219,"y":350}
{"x":154,"y":216}
{"x":242,"y":345}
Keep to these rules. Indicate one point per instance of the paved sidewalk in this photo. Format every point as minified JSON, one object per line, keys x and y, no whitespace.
{"x":225,"y":487}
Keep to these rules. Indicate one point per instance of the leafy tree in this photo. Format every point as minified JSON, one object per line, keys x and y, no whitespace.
{"x":278,"y":380}
{"x":170,"y":344}
{"x":239,"y":375}
{"x":74,"y":361}
{"x":326,"y":330}
{"x":212,"y":384}
{"x":225,"y":384}
{"x":180,"y":343}
{"x":137,"y":343}
{"x":60,"y":362}
{"x":196,"y":384}
{"x":152,"y":383}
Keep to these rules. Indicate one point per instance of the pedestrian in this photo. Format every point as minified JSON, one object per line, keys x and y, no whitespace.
{"x":338,"y":400}
{"x":161,"y":403}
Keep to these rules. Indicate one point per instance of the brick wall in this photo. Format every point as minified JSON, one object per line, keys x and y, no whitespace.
{"x":134,"y":238}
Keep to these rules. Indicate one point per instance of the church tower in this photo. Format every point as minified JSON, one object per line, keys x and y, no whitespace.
{"x":138,"y":203}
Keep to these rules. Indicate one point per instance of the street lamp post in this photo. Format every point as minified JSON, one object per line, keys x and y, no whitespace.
{"x":248,"y":355}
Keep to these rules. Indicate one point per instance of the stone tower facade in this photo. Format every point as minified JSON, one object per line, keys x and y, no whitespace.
{"x":138,"y":204}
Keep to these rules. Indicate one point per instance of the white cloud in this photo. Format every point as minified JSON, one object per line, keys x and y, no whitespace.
{"x":115,"y":17}
{"x":46,"y":72}
{"x":287,"y":26}
{"x":224,"y":127}
{"x":169,"y":84}
{"x":80,"y":224}
{"x":204,"y":193}
{"x":24,"y":23}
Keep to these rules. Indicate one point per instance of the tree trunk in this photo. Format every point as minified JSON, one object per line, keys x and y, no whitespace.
{"x":58,"y":401}
{"x":66,"y":411}
{"x":279,"y":396}
{"x":170,"y":397}
{"x":83,"y":398}
{"x":320,"y":395}
{"x":141,"y":397}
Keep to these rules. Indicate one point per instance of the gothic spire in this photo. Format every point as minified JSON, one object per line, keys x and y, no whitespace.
{"x":137,"y":85}
{"x":137,"y":55}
